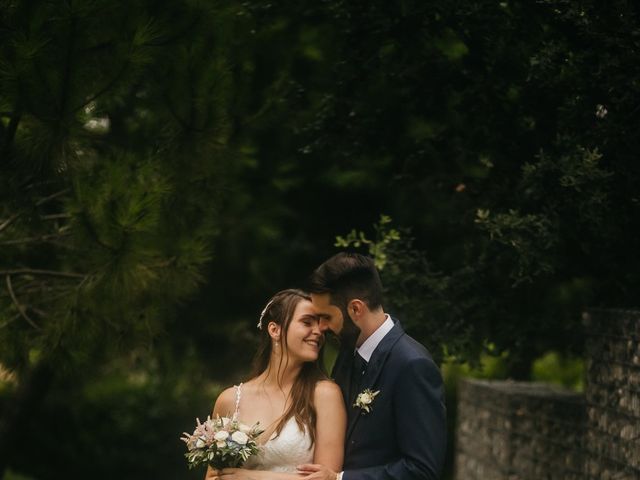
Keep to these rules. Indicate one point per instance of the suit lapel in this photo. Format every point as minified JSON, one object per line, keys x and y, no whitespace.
{"x":374,"y":369}
{"x":341,"y":372}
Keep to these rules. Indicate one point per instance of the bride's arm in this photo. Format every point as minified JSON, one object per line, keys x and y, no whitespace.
{"x":331,"y":425}
{"x":331,"y":429}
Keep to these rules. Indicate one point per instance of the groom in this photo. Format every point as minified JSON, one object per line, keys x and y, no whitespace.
{"x":391,"y":387}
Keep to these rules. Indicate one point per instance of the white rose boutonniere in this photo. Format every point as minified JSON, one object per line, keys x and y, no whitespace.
{"x":365,"y":399}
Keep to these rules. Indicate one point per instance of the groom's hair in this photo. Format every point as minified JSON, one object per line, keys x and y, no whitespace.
{"x":346,"y":276}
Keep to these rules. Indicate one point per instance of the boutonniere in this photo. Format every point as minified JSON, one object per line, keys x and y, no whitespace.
{"x":365,"y":399}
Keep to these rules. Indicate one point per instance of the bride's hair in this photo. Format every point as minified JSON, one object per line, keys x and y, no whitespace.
{"x":280,"y":310}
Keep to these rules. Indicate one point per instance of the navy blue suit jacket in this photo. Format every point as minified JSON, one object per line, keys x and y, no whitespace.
{"x":403,"y":437}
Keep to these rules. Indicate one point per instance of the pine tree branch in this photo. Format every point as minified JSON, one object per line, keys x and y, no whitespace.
{"x":11,"y":320}
{"x":52,"y":197}
{"x":63,"y":293}
{"x":20,"y":308}
{"x":86,"y":221}
{"x":55,"y":216}
{"x":42,"y":201}
{"x":42,"y":288}
{"x":9,"y":221}
{"x":42,"y":313}
{"x":45,"y":295}
{"x":40,"y":239}
{"x":49,"y":273}
{"x":186,"y":30}
{"x":30,"y":183}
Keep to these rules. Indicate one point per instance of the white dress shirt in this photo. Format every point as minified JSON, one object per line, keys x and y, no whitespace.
{"x":369,"y":345}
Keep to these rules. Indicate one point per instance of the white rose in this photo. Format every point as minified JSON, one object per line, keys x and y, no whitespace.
{"x":221,"y":436}
{"x":200,"y":443}
{"x":365,"y":398}
{"x":240,"y":437}
{"x":244,"y":428}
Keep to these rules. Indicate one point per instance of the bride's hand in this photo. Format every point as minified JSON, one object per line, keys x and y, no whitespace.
{"x":316,"y":472}
{"x":240,"y":474}
{"x":212,"y":474}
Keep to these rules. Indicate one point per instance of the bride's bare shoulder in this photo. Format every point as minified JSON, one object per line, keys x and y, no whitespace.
{"x":225,"y":402}
{"x":327,"y":391}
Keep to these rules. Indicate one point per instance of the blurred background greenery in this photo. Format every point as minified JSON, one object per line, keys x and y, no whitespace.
{"x":165,"y":166}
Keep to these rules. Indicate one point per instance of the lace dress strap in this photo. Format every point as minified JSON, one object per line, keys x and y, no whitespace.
{"x":238,"y":395}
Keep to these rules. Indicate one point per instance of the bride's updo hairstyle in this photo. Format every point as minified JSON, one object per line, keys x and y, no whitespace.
{"x":280,"y":310}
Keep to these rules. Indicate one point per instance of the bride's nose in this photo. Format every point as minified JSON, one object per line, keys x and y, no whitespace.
{"x":316,"y":328}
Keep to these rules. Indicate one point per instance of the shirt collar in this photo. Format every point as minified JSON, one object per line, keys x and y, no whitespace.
{"x":369,"y":345}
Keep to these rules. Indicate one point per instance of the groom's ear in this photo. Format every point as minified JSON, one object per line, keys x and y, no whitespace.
{"x":356,"y":308}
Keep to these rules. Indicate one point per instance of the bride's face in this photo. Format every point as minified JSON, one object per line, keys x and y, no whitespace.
{"x":304,"y":338}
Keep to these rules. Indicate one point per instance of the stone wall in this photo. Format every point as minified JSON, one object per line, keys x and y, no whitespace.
{"x":613,"y":395}
{"x":522,"y":431}
{"x":518,"y":431}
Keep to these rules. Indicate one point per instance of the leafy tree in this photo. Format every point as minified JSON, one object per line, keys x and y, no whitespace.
{"x":498,"y":131}
{"x":110,"y":181}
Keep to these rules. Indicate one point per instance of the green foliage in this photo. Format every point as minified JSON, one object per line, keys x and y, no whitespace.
{"x":377,"y":248}
{"x":10,"y":475}
{"x":575,"y":186}
{"x":529,"y":237}
{"x":100,"y":164}
{"x":507,"y":153}
{"x":110,"y":182}
{"x":489,"y":367}
{"x":565,"y":371}
{"x":126,"y":422}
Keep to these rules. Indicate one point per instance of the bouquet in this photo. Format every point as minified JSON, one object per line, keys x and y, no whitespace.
{"x":221,"y":443}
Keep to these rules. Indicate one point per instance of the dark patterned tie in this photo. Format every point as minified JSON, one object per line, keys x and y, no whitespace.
{"x":357,"y":372}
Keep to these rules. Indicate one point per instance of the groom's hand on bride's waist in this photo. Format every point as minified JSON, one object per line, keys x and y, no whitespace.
{"x":313,"y":471}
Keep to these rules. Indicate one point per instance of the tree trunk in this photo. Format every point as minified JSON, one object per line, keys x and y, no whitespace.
{"x":31,"y":390}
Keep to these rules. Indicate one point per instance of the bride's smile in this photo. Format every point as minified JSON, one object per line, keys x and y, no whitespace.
{"x":304,"y":338}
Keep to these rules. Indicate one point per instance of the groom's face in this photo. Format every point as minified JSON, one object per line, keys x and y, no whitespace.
{"x":329,"y":315}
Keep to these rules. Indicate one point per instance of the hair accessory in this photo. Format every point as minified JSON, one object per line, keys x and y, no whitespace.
{"x":264,"y":310}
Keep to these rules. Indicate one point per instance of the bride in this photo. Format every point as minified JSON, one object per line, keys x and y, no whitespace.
{"x":300,"y":410}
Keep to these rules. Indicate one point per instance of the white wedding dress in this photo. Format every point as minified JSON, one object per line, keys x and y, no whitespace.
{"x":282,"y":453}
